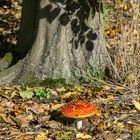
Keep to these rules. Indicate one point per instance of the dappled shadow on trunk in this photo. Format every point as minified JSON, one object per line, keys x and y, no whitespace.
{"x":74,"y":13}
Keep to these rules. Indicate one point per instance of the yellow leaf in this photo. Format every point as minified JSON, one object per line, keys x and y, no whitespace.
{"x":136,"y":104}
{"x":99,"y":113}
{"x":103,"y":126}
{"x":106,"y":87}
{"x":78,"y":88}
{"x":89,"y":92}
{"x":3,"y":117}
{"x":29,"y":117}
{"x":130,"y":122}
{"x":56,"y":106}
{"x":66,"y":95}
{"x":41,"y":136}
{"x":83,"y":136}
{"x":130,"y":78}
{"x":110,"y":96}
{"x":119,"y":88}
{"x":120,"y":125}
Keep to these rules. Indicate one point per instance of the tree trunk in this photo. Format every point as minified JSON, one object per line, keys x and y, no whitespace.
{"x":63,"y":40}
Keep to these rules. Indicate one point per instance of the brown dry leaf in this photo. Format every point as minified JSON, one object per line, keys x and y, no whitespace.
{"x":108,"y":136}
{"x":106,"y":87}
{"x":23,"y":121}
{"x":137,"y":128}
{"x":60,"y":89}
{"x":17,"y":109}
{"x":38,"y":108}
{"x":2,"y":110}
{"x":2,"y":93}
{"x":10,"y":104}
{"x":24,"y":136}
{"x":53,"y":92}
{"x":14,"y":131}
{"x":119,"y":89}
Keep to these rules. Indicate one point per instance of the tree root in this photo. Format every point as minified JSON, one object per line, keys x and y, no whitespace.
{"x":9,"y":75}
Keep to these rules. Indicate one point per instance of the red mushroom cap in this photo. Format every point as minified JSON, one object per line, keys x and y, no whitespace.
{"x":78,"y":109}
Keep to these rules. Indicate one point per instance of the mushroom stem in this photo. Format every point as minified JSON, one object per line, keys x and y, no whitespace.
{"x":79,"y":124}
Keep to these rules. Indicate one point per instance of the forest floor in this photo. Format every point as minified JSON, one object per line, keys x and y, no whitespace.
{"x":30,"y":112}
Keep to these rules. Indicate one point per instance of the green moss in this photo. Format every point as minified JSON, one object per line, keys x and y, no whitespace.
{"x":47,"y":82}
{"x":8,"y":57}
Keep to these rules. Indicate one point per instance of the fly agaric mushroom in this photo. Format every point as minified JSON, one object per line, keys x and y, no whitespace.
{"x":78,"y":109}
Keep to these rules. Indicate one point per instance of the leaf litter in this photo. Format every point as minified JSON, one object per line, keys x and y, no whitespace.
{"x":28,"y":113}
{"x":38,"y":118}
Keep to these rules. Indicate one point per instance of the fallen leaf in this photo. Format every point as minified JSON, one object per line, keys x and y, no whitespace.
{"x":83,"y":136}
{"x":120,"y":125}
{"x":2,"y":110}
{"x":130,"y":78}
{"x":3,"y":117}
{"x":22,"y":121}
{"x":41,"y":136}
{"x":106,"y":87}
{"x":27,"y":94}
{"x":89,"y":92}
{"x":53,"y":124}
{"x":110,"y":96}
{"x":136,"y":104}
{"x":119,"y":89}
{"x":56,"y":106}
{"x":68,"y":94}
{"x":53,"y":92}
{"x":60,"y":89}
{"x":29,"y":117}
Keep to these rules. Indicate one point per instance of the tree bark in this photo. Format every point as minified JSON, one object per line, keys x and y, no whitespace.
{"x":60,"y":40}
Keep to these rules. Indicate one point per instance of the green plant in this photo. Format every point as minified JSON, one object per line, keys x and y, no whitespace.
{"x":107,"y":14}
{"x":45,"y":93}
{"x":96,"y":75}
{"x":135,"y":135}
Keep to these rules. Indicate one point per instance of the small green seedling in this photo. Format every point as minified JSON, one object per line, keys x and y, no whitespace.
{"x":45,"y":93}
